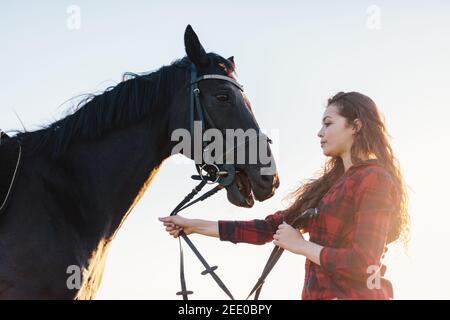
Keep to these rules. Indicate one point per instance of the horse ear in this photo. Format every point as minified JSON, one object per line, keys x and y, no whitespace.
{"x":194,"y":49}
{"x":231,"y":59}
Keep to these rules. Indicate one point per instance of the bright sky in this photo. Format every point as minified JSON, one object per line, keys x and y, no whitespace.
{"x":291,"y":56}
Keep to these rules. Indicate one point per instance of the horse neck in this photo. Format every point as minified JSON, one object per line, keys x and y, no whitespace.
{"x":111,"y":174}
{"x":107,"y":176}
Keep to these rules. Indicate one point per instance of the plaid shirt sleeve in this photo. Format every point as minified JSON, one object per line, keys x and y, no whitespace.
{"x":373,"y":210}
{"x":253,"y":231}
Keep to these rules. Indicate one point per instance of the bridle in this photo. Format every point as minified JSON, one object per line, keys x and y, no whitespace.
{"x":223,"y":175}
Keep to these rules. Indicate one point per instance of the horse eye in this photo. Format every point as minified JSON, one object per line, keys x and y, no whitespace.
{"x":222,"y":97}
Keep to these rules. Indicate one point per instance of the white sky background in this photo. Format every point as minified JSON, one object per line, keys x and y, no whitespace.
{"x":291,"y":56}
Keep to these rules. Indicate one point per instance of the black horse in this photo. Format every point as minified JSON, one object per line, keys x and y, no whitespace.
{"x":81,"y":176}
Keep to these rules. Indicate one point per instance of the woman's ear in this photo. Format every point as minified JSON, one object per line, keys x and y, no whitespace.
{"x":357,"y":125}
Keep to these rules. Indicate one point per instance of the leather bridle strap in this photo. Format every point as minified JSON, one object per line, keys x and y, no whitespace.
{"x":273,"y":259}
{"x":208,"y":270}
{"x":219,"y":77}
{"x":278,"y":251}
{"x":195,"y":103}
{"x":184,"y":292}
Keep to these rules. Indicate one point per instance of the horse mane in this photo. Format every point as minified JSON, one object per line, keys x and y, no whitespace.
{"x":132,"y":100}
{"x":135,"y":98}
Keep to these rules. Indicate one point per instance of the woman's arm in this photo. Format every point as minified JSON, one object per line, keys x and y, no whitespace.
{"x":255,"y":231}
{"x":175,"y":224}
{"x":206,"y":227}
{"x":286,"y":237}
{"x":311,"y":251}
{"x":292,"y":240}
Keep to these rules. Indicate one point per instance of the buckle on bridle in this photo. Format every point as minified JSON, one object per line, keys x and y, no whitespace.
{"x":211,"y":173}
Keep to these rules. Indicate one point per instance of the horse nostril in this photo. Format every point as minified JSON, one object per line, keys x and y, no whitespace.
{"x":276,"y":181}
{"x":271,"y":179}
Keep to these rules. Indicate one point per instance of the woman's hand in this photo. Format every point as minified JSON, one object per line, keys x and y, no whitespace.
{"x":175,"y":224}
{"x":289,"y":238}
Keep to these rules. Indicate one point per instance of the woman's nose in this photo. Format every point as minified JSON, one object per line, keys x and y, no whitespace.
{"x":320,"y":134}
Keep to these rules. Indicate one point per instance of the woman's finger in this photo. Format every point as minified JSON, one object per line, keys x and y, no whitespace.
{"x":168,"y":224}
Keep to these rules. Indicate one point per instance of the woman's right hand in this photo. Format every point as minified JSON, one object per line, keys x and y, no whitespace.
{"x":175,"y":224}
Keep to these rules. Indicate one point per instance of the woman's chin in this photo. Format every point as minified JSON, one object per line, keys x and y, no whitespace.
{"x":327,"y":153}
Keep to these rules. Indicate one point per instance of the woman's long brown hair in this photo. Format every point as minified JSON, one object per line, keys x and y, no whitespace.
{"x":370,"y":141}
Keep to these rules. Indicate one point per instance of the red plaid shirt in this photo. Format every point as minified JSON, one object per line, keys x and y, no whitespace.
{"x":353,"y":224}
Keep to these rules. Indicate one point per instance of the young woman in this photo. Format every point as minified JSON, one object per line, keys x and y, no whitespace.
{"x":362,"y":203}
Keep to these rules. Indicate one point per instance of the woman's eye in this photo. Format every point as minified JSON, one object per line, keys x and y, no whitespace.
{"x":327,"y":124}
{"x":222,"y":97}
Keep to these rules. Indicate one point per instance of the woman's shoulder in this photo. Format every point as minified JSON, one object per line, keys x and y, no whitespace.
{"x":369,"y":166}
{"x":371,"y":172}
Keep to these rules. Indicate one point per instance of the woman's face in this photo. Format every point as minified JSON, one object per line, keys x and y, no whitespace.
{"x":336,"y":136}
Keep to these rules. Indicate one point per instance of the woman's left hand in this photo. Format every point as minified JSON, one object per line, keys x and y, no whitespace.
{"x":288,"y":238}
